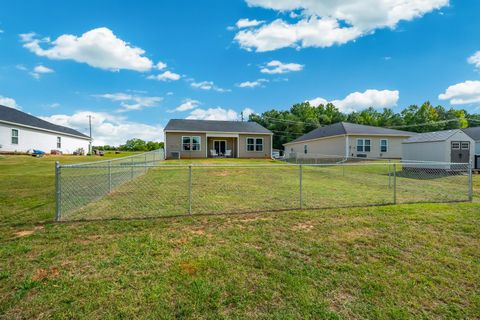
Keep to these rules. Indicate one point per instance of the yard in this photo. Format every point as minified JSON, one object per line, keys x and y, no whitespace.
{"x":405,"y":261}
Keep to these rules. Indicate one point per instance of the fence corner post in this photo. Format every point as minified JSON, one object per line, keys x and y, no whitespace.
{"x":301,"y":183}
{"x":190,"y":189}
{"x":470,"y":181}
{"x":58,"y":192}
{"x":394,"y":183}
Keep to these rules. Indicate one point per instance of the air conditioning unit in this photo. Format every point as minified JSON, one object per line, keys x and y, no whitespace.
{"x":175,"y":155}
{"x":361,"y":155}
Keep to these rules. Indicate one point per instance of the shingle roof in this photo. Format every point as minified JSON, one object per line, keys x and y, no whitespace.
{"x":215,"y":126}
{"x":473,"y":132}
{"x":432,"y":136}
{"x":340,"y":128}
{"x":22,"y":118}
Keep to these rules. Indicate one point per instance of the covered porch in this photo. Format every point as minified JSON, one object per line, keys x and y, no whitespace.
{"x":222,"y":145}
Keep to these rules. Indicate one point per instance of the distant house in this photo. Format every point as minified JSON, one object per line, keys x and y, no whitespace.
{"x":21,"y":132}
{"x":210,"y":138}
{"x":349,"y":140}
{"x":440,"y":146}
{"x":474,"y":133}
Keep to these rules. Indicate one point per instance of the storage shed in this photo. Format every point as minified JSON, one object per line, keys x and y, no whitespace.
{"x":440,"y":146}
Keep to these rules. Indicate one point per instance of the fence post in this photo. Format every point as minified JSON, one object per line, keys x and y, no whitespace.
{"x":131,"y":169}
{"x":145,"y":163}
{"x":58,"y":192}
{"x":394,"y":183}
{"x":190,"y":189}
{"x":109,"y":176}
{"x":301,"y":191}
{"x":470,"y":181}
{"x":389,"y":175}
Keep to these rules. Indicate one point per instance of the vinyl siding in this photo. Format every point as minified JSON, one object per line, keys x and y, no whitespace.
{"x":267,"y":146}
{"x":173,"y":142}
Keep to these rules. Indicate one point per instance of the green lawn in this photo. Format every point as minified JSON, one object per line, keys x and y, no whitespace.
{"x":387,"y":262}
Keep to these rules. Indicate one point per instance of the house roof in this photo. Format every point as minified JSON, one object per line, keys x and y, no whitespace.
{"x":18,"y":117}
{"x":215,"y":126}
{"x":344,"y":128}
{"x":473,"y":132}
{"x":435,"y":136}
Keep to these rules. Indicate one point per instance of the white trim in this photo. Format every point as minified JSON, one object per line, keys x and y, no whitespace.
{"x":191,"y":143}
{"x":386,"y":146}
{"x":222,"y":135}
{"x":46,"y":130}
{"x":363,"y":145}
{"x":238,"y":147}
{"x":255,"y":144}
{"x":350,"y":134}
{"x":347,"y":152}
{"x":12,"y":136}
{"x":219,"y":132}
{"x":451,"y":145}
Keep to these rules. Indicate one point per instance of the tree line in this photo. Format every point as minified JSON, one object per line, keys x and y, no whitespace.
{"x":133,"y":145}
{"x":302,"y":118}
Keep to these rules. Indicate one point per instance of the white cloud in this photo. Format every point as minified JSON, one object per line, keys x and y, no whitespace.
{"x":247,"y":23}
{"x":99,"y":48}
{"x":108,"y":129}
{"x":218,"y":114}
{"x":161,"y":65}
{"x":129,"y":102}
{"x":467,"y":92}
{"x":208,"y":85}
{"x":277,"y":67}
{"x":252,"y":84}
{"x":475,"y":60}
{"x":39,"y":70}
{"x":166,"y":76}
{"x":328,"y":23}
{"x":358,"y":101}
{"x":9,"y":102}
{"x":247,"y":112}
{"x":187,"y":104}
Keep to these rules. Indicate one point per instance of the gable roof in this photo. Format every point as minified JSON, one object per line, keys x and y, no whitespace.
{"x":15,"y":116}
{"x":473,"y":132}
{"x":215,"y":126}
{"x":435,"y":136}
{"x":344,"y":128}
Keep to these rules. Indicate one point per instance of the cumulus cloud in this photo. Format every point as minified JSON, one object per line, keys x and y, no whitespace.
{"x":328,"y":23}
{"x":357,"y":101}
{"x":467,"y":92}
{"x":208,"y":85}
{"x":277,"y":67}
{"x":9,"y":102}
{"x":187,"y":104}
{"x":475,"y":60}
{"x":218,"y":114}
{"x":166,"y":76}
{"x":161,"y":65}
{"x":247,"y":23}
{"x":130,"y":102}
{"x":39,"y":70}
{"x":99,"y":48}
{"x":108,"y":129}
{"x":252,"y":84}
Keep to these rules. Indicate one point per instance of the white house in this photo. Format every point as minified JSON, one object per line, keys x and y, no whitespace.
{"x":21,"y":132}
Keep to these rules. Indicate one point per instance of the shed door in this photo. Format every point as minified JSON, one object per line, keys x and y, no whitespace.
{"x":460,"y":151}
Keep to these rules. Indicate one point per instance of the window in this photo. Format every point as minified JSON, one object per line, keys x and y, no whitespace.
{"x":191,"y":143}
{"x":59,"y":142}
{"x":456,"y":145}
{"x":305,"y":149}
{"x":14,"y":136}
{"x":466,"y":145}
{"x":363,"y":145}
{"x":255,"y":144}
{"x":384,"y":145}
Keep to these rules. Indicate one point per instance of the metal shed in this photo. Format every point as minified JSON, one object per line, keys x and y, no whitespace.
{"x":440,"y":146}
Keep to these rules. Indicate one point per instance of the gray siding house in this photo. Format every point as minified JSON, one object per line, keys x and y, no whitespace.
{"x":474,"y":133}
{"x":189,"y":139}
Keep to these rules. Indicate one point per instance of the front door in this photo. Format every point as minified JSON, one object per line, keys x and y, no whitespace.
{"x":220,"y":146}
{"x":460,"y":151}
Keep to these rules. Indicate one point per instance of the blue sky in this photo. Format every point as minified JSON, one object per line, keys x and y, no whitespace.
{"x":135,"y":64}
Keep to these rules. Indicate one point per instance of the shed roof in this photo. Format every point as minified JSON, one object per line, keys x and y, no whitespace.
{"x":18,"y":117}
{"x":473,"y":132}
{"x":341,"y":128}
{"x":215,"y":126}
{"x":435,"y":136}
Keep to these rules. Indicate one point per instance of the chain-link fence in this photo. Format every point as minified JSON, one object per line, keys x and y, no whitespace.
{"x":170,"y":189}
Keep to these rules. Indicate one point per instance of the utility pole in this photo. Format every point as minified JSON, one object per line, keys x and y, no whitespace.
{"x":90,"y":129}
{"x":241,"y":115}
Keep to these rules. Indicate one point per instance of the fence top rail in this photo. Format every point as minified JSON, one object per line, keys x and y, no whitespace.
{"x":260,"y":165}
{"x":80,"y":164}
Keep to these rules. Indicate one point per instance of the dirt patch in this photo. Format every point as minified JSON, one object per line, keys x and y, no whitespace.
{"x":188,"y":268}
{"x":339,"y":302}
{"x":24,"y":233}
{"x":353,"y":234}
{"x":44,"y":274}
{"x":220,"y":173}
{"x":198,"y":232}
{"x":303,"y":227}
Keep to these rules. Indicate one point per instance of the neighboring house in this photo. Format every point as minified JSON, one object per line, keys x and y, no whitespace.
{"x":440,"y":146}
{"x":474,"y":133}
{"x":349,"y":140}
{"x":21,"y":132}
{"x":210,"y":138}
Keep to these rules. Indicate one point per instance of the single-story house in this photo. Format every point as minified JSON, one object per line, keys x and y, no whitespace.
{"x":22,"y":132}
{"x":474,"y":133}
{"x":185,"y":138}
{"x":345,"y":139}
{"x":440,"y":146}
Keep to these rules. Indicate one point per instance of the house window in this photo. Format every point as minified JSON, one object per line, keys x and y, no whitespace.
{"x":364,"y":145}
{"x":305,"y":149}
{"x":255,"y":144}
{"x":455,"y":145}
{"x":59,"y":142}
{"x":14,"y":136}
{"x":384,"y":145}
{"x":466,"y":145}
{"x":191,"y":143}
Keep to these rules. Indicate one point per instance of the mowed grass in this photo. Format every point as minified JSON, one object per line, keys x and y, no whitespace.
{"x":387,"y":262}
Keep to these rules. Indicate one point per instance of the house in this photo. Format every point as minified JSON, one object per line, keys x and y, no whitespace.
{"x":349,"y":140}
{"x":440,"y":146}
{"x":186,"y":138}
{"x":474,"y":133}
{"x":21,"y":132}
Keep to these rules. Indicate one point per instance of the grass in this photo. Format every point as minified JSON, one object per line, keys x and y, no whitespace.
{"x":387,"y":262}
